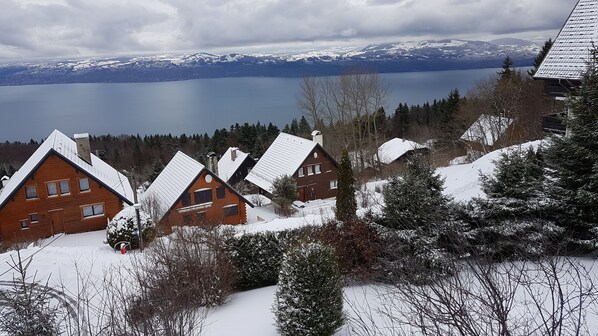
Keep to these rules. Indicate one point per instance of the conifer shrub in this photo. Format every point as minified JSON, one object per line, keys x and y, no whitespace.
{"x":309,"y":297}
{"x":346,"y":204}
{"x":284,"y":192}
{"x":123,"y":228}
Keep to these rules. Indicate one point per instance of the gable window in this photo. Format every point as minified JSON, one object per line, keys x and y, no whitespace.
{"x":231,"y":210}
{"x":220,"y":193}
{"x":318,"y":168}
{"x":83,"y":184}
{"x":203,"y":196}
{"x":300,"y":172}
{"x":64,"y":187}
{"x":33,"y":218}
{"x":186,"y":199}
{"x":51,"y":187}
{"x":333,"y":184}
{"x":310,"y":170}
{"x":24,"y":224}
{"x":30,"y":192}
{"x":93,"y":210}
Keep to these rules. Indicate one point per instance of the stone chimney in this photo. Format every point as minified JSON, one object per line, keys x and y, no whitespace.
{"x":233,"y":154}
{"x":83,"y":148}
{"x":213,"y":162}
{"x":318,"y":137}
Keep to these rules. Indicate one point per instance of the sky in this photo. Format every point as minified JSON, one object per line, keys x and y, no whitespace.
{"x":37,"y":29}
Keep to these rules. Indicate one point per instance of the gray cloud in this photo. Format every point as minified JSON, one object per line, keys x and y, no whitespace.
{"x":48,"y":28}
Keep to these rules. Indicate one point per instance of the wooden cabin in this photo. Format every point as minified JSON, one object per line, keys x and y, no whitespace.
{"x":489,"y":132}
{"x":187,"y":193}
{"x":234,"y":165}
{"x":62,"y":187}
{"x":314,"y":170}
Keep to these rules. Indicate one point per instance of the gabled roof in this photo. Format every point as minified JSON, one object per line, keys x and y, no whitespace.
{"x":395,"y":148}
{"x":283,"y":157}
{"x":178,"y":175}
{"x":59,"y":144}
{"x":227,"y":167}
{"x":568,"y":57}
{"x":487,"y":129}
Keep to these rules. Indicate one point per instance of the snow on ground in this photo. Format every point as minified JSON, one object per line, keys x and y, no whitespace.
{"x":62,"y":258}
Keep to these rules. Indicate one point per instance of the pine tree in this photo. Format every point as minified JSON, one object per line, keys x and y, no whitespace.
{"x":415,"y":199}
{"x":309,"y":297}
{"x":507,"y":68}
{"x":346,"y":205}
{"x":573,"y":164}
{"x":284,"y":192}
{"x":157,"y":168}
{"x":541,"y":55}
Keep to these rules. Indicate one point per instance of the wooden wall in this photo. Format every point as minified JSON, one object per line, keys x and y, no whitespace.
{"x":54,"y":168}
{"x":317,"y":186}
{"x":214,"y":211}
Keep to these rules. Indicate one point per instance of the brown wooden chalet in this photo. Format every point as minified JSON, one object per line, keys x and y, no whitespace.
{"x":62,"y":187}
{"x":187,"y":193}
{"x":489,"y":132}
{"x":314,"y":170}
{"x":567,"y":60}
{"x":234,"y":165}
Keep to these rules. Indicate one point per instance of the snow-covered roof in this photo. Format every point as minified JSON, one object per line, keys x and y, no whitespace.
{"x":175,"y":179}
{"x":487,"y":129}
{"x":227,"y":166}
{"x":283,"y":157}
{"x":395,"y":148}
{"x":63,"y":146}
{"x":567,"y":59}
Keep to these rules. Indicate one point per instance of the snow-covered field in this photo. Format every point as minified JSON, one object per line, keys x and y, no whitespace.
{"x":61,"y":259}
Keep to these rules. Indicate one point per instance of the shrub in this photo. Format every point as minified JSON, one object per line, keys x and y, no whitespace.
{"x":309,"y":298}
{"x":123,"y":227}
{"x":284,"y":192}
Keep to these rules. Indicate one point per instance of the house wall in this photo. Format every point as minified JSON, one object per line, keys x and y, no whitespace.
{"x":242,"y":172}
{"x":67,"y":207}
{"x":317,"y":186}
{"x":214,"y":211}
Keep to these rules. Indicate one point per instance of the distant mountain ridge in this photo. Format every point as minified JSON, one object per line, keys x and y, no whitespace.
{"x":428,"y":55}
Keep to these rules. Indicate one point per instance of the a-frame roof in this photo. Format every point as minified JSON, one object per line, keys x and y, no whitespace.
{"x":227,"y":167}
{"x":283,"y":157}
{"x":174,"y":180}
{"x":64,"y":147}
{"x":487,"y":129}
{"x":568,"y":56}
{"x":395,"y":148}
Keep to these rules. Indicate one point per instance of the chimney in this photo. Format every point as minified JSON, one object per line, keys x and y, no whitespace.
{"x":213,"y":162}
{"x":233,"y":154}
{"x":4,"y":180}
{"x":318,"y":137}
{"x":83,"y":148}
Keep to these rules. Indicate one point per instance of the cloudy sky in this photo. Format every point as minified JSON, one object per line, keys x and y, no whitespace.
{"x":59,"y":28}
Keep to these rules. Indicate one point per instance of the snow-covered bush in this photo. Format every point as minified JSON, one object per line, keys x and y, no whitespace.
{"x":309,"y":298}
{"x":284,"y":192}
{"x":123,"y":227}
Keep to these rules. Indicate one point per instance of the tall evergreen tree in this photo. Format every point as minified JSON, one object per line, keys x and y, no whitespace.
{"x":541,"y":55}
{"x":309,"y":297}
{"x":346,"y":205}
{"x":507,"y":68}
{"x":573,"y":164}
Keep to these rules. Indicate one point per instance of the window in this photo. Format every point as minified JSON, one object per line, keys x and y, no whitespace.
{"x":201,"y":217}
{"x":83,"y":184}
{"x":93,"y":210}
{"x":186,"y":199}
{"x":30,"y":192}
{"x":64,"y":187}
{"x":300,"y":172}
{"x":51,"y":186}
{"x":333,"y":184}
{"x":310,"y":170}
{"x":220,"y":193}
{"x":318,"y":168}
{"x":187,"y":220}
{"x":203,"y":196}
{"x":24,"y":224}
{"x":33,"y":218}
{"x":231,"y":210}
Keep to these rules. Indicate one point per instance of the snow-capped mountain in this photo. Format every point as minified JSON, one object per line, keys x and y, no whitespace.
{"x":387,"y":57}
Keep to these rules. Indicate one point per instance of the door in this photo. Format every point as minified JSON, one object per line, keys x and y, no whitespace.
{"x":301,"y":194}
{"x":56,"y":221}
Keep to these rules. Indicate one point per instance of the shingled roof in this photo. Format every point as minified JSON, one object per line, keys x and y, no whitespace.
{"x":568,"y":56}
{"x":59,"y":144}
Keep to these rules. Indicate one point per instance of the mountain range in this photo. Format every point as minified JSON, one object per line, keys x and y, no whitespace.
{"x":428,"y":55}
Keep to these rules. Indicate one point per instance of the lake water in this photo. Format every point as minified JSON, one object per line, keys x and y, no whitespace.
{"x":195,"y":106}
